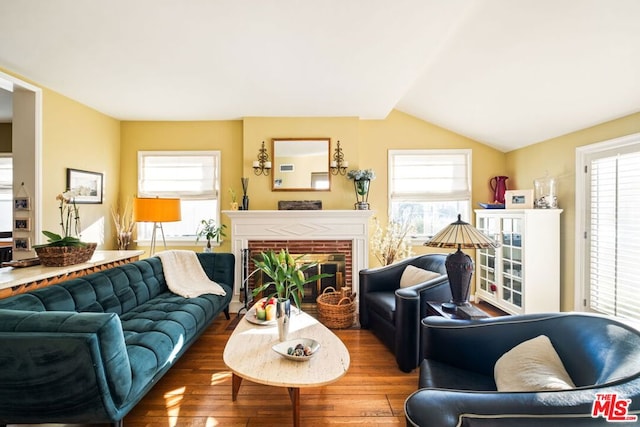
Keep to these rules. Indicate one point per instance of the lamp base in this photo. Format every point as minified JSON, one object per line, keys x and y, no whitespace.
{"x":459,"y":270}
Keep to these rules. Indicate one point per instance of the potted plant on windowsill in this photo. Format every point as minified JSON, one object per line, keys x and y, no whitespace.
{"x":210,"y":231}
{"x":66,"y":248}
{"x":287,"y":276}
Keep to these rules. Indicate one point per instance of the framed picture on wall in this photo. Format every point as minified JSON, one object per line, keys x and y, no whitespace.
{"x":22,"y":204}
{"x":22,"y":224}
{"x":21,"y":244}
{"x":87,"y":185}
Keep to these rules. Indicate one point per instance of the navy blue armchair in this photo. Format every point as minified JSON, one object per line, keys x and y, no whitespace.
{"x":456,"y":383}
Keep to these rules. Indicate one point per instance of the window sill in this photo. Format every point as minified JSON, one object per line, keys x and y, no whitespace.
{"x":177,"y":242}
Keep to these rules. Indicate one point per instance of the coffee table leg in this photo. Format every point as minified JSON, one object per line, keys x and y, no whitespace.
{"x":236,"y":380}
{"x":294,"y":394}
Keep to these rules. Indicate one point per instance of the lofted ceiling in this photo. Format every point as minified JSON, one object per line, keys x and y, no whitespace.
{"x":507,"y":73}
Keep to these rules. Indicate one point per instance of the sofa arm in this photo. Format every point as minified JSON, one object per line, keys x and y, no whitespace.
{"x":62,"y":367}
{"x":410,"y":309}
{"x":444,"y":408}
{"x":219,"y":267}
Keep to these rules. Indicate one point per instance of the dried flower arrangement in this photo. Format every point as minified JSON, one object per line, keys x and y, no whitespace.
{"x":393,"y":242}
{"x":124,"y":225}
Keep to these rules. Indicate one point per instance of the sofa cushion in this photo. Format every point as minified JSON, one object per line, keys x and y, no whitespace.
{"x":413,"y":275}
{"x":532,"y":365}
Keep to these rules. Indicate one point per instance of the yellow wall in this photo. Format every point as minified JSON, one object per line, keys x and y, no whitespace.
{"x":78,"y":137}
{"x":225,"y":136}
{"x":5,"y":137}
{"x":557,"y":158}
{"x":258,"y":129}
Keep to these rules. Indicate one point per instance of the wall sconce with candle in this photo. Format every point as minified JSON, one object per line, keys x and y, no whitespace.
{"x":262,"y":165}
{"x":338,"y":165}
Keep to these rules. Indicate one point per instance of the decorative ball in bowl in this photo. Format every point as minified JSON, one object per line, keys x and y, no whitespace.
{"x":299,"y":349}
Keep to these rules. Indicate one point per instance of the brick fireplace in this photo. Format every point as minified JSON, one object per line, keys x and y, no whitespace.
{"x":331,"y":256}
{"x":325,"y":232}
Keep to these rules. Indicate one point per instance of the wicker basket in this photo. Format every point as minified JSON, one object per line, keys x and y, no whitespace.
{"x":335,"y":310}
{"x":60,"y":256}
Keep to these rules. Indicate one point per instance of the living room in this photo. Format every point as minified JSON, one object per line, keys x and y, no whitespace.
{"x":74,"y":134}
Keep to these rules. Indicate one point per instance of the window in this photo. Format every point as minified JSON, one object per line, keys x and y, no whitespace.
{"x":193,"y":176}
{"x":6,"y":193}
{"x":611,"y":235}
{"x":431,"y":187}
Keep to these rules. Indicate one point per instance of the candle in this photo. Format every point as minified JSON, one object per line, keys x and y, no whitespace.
{"x":345,"y":164}
{"x":334,"y":164}
{"x":267,"y":165}
{"x":256,"y":164}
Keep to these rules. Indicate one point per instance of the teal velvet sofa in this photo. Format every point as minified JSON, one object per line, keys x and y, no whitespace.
{"x":88,"y":349}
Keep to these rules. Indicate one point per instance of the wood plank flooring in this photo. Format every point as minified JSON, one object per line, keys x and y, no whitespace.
{"x":196,"y":392}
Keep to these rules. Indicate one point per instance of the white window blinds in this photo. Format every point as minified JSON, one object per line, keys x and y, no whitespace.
{"x":6,"y":175}
{"x":614,"y":233}
{"x":429,"y":174}
{"x":187,"y":175}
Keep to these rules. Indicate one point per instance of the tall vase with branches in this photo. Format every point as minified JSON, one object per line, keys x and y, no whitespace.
{"x":124,"y":224}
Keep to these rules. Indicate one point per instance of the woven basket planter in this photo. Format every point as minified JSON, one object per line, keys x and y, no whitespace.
{"x":335,"y":310}
{"x":60,"y":256}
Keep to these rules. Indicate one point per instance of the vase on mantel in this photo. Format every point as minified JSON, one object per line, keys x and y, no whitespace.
{"x":362,"y":193}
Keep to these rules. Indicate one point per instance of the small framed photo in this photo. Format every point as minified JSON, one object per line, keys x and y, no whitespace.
{"x":22,"y":224}
{"x":518,"y":199}
{"x":87,"y":185}
{"x":21,"y":244}
{"x":22,"y":203}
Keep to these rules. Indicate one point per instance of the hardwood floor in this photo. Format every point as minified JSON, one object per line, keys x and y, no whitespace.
{"x":196,"y":392}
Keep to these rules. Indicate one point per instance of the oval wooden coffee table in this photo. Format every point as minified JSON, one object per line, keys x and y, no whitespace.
{"x":248,"y":354}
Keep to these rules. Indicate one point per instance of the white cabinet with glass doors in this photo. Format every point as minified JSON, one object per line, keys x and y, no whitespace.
{"x":523,"y":274}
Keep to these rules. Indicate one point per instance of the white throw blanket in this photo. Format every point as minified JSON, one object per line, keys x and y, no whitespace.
{"x":185,"y":276}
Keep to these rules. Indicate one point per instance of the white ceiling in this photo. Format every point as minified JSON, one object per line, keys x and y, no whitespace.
{"x":508,"y":73}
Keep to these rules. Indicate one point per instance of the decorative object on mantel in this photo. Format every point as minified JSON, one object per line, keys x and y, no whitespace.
{"x":338,"y":165}
{"x":234,"y":201}
{"x":262,"y":166}
{"x":286,"y":274}
{"x":393,"y":242}
{"x":245,"y":198}
{"x":361,"y":181}
{"x":124,"y":226}
{"x":209,"y":230}
{"x":459,"y":265}
{"x":65,"y":249}
{"x":299,"y":205}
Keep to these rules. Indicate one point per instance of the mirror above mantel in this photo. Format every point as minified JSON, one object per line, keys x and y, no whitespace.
{"x":301,"y":164}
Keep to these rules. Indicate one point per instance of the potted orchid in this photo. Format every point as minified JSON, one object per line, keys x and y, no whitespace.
{"x":66,"y":248}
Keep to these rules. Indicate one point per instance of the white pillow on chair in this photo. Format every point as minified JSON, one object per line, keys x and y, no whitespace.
{"x":413,"y":275}
{"x":532,"y":365}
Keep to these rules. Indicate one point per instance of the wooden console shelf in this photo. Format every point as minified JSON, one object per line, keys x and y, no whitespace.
{"x":15,"y":281}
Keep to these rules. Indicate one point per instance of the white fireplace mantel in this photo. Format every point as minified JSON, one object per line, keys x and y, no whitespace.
{"x":300,"y":225}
